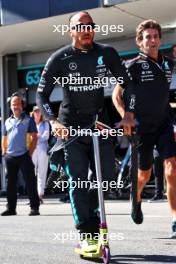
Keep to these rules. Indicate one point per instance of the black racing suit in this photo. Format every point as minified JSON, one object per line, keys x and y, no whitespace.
{"x":81,"y":102}
{"x":152,"y":110}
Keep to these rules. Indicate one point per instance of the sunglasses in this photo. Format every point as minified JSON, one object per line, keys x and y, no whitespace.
{"x":83,"y":27}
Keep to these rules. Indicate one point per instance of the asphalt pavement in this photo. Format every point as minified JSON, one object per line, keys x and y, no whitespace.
{"x":50,"y":238}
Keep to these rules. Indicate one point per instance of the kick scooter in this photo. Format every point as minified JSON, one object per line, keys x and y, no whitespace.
{"x":103,"y":250}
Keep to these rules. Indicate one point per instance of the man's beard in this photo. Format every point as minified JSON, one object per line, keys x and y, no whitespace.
{"x":87,"y":46}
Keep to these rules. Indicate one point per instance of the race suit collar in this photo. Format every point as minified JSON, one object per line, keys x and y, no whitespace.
{"x":84,"y":51}
{"x":146,"y":57}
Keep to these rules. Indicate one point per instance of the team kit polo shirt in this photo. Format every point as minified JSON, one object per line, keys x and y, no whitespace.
{"x":18,"y":132}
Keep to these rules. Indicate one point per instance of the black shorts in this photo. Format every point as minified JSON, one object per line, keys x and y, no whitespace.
{"x":163,"y":138}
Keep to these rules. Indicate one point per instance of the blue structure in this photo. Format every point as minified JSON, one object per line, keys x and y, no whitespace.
{"x":18,"y":11}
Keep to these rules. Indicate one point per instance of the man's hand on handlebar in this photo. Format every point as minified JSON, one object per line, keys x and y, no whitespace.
{"x":59,"y":130}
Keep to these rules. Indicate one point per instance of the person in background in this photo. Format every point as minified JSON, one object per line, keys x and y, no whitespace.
{"x":159,"y":178}
{"x":19,"y":140}
{"x":151,"y":73}
{"x":173,"y":82}
{"x":40,"y":156}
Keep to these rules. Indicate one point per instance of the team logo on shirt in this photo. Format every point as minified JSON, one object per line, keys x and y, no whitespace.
{"x":100,"y":60}
{"x":145,"y":66}
{"x":166,"y":65}
{"x":73,"y":66}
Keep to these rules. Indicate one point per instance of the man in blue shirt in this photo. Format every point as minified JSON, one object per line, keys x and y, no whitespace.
{"x":18,"y":143}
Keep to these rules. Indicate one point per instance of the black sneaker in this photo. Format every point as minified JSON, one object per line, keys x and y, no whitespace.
{"x":156,"y":198}
{"x":137,"y":214}
{"x":173,"y":235}
{"x":8,"y":212}
{"x":34,"y":212}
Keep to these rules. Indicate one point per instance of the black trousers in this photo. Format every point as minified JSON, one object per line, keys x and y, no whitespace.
{"x":25,"y":164}
{"x":79,"y":158}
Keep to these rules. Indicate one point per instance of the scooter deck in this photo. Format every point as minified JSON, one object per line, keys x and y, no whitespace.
{"x":97,"y":254}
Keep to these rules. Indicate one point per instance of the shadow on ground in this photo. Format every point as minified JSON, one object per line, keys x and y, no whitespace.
{"x":134,"y":259}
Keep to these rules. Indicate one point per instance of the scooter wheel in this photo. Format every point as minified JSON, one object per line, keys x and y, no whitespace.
{"x":105,"y":254}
